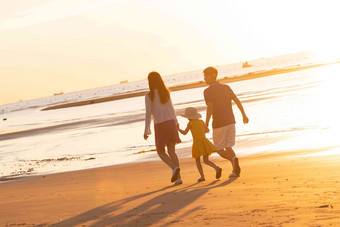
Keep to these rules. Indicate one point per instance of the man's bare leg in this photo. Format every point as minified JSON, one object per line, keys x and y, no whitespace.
{"x":235,"y":161}
{"x":229,"y":154}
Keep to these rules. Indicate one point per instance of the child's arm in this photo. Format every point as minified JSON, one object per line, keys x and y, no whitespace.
{"x":184,"y":132}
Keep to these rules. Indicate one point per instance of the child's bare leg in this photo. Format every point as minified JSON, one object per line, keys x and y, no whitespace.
{"x":210,"y":163}
{"x":200,"y":169}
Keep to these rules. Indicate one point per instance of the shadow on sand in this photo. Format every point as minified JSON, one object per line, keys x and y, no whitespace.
{"x":147,"y":213}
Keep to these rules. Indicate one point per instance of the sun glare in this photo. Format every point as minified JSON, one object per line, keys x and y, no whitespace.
{"x":329,"y":93}
{"x":327,"y":54}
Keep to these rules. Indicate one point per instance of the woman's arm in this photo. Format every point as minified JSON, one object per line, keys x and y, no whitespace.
{"x":148,"y":107}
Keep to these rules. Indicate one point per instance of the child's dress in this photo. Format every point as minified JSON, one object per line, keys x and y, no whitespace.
{"x":201,"y":145}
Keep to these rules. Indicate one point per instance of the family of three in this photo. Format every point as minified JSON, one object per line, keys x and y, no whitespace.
{"x":218,"y":98}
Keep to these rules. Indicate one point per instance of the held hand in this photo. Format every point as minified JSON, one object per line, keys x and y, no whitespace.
{"x":146,"y":136}
{"x":245,"y":119}
{"x":206,"y":127}
{"x":177,"y":126}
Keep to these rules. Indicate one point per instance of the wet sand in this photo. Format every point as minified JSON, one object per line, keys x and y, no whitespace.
{"x":273,"y":190}
{"x":251,"y":75}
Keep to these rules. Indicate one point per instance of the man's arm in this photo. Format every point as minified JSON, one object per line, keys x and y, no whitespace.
{"x":209,"y":113}
{"x":239,"y":105}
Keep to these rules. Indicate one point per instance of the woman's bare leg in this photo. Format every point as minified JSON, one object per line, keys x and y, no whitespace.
{"x":165,"y":158}
{"x":173,"y":156}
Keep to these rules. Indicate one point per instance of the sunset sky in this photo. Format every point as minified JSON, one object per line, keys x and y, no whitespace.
{"x":49,"y":46}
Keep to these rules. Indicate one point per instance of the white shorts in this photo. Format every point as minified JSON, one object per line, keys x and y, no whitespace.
{"x":224,"y":137}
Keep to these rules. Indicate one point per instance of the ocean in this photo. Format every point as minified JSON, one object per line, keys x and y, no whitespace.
{"x":287,"y":112}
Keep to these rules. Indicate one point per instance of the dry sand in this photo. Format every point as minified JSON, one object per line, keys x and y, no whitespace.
{"x":284,"y":189}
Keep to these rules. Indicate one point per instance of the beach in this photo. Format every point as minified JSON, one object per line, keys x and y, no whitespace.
{"x":90,"y":91}
{"x":296,"y":188}
{"x":90,"y":166}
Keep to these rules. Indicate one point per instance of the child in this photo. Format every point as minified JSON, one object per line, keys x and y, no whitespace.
{"x":201,"y":145}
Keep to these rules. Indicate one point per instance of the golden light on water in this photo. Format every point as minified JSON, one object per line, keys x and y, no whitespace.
{"x":323,"y":108}
{"x":329,"y":91}
{"x":327,"y":54}
{"x":328,"y":105}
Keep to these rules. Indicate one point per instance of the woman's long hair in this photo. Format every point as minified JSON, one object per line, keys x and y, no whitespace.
{"x":156,"y":82}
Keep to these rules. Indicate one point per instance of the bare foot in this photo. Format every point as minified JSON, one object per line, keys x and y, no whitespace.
{"x":218,"y":172}
{"x":200,"y":180}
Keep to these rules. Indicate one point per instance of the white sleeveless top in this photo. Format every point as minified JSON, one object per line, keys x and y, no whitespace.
{"x":160,"y":112}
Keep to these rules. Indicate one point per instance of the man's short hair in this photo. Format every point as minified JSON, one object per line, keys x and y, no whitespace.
{"x":211,"y":71}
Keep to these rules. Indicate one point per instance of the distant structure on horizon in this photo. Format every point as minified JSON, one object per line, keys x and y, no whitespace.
{"x":60,"y":93}
{"x":246,"y":64}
